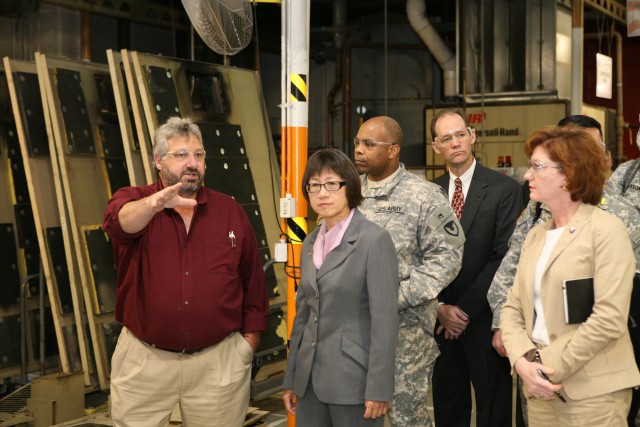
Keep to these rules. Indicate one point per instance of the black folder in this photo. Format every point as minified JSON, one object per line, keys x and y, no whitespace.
{"x":578,"y":299}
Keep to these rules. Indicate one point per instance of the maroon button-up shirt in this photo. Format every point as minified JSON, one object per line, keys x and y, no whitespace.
{"x":188,"y":291}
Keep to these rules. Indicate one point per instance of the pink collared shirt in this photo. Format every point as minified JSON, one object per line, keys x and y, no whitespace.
{"x":328,"y":240}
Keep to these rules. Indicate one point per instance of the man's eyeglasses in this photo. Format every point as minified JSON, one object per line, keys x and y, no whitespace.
{"x":183,"y":155}
{"x":329,"y":186}
{"x":461,"y":134}
{"x":538,"y":168}
{"x":369,"y":144}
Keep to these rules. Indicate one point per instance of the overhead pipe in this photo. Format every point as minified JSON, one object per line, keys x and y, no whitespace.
{"x":577,"y":55}
{"x":416,"y":12}
{"x":620,"y":123}
{"x":85,"y":36}
{"x":339,"y":32}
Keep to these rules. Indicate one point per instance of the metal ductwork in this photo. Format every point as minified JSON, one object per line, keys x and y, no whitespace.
{"x":416,"y":12}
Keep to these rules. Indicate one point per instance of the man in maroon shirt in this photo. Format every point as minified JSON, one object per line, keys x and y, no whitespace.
{"x":190,"y":292}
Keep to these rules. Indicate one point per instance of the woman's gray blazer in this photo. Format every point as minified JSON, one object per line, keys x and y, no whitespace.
{"x":345,"y":329}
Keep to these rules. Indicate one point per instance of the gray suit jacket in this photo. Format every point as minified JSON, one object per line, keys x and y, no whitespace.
{"x":345,"y":329}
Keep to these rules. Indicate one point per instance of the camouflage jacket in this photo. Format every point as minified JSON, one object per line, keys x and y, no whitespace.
{"x":616,"y":204}
{"x":428,"y":239}
{"x":614,"y":184}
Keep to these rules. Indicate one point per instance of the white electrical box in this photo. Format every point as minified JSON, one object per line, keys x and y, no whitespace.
{"x":287,"y":207}
{"x":281,"y":251}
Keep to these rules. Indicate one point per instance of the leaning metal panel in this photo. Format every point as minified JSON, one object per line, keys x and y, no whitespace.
{"x":114,"y":158}
{"x":26,"y":228}
{"x":55,"y":249}
{"x":74,"y":110}
{"x":85,"y":186}
{"x":31,"y":120}
{"x":100,"y":255}
{"x":18,"y":178}
{"x":164,"y":92}
{"x":31,"y":113}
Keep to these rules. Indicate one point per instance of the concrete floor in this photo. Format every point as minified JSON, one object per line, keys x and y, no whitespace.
{"x":278,"y":416}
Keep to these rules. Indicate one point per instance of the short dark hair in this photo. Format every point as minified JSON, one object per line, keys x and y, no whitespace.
{"x":583,"y":162}
{"x":449,"y":111}
{"x":331,"y":159}
{"x":582,"y":121}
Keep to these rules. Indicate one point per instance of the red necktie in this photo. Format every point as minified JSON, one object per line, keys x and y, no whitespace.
{"x":457,"y":203}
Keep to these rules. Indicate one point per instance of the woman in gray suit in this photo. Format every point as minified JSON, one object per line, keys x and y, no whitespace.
{"x":343,"y":341}
{"x":573,"y":355}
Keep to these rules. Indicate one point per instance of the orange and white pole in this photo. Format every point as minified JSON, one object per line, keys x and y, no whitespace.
{"x":295,"y":123}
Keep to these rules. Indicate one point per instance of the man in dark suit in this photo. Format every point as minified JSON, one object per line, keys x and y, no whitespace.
{"x":488,"y":204}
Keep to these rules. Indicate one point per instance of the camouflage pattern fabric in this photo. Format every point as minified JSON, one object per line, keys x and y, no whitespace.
{"x":429,"y":243}
{"x":614,"y":185}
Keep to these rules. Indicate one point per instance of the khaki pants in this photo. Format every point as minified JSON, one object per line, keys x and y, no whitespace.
{"x":211,"y":386}
{"x":601,"y":411}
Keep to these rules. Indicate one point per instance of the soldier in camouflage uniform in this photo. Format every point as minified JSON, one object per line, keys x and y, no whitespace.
{"x":623,"y":204}
{"x":429,"y":243}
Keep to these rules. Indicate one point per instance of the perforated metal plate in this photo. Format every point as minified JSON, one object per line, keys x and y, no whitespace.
{"x":30,"y":102}
{"x":74,"y":111}
{"x":20,"y":188}
{"x":55,"y":247}
{"x":105,"y":100}
{"x":111,"y":141}
{"x":231,"y":176}
{"x":222,"y":140}
{"x":103,"y":269}
{"x":27,"y":237}
{"x":162,"y":86}
{"x":117,"y":174}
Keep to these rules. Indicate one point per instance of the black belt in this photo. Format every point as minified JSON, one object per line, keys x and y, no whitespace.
{"x":182,"y":351}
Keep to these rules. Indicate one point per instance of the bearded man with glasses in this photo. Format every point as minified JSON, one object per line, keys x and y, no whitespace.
{"x":429,"y":242}
{"x":190,"y":293}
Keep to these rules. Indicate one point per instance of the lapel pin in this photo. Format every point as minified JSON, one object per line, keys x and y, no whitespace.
{"x":572,"y":229}
{"x":310,"y":253}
